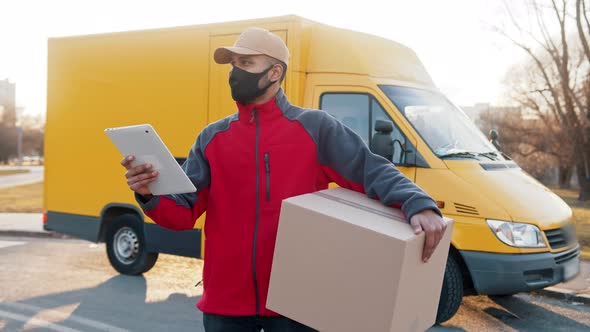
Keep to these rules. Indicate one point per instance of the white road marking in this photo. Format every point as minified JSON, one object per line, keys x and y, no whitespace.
{"x":36,"y":322}
{"x":58,"y":315}
{"x":35,"y":175}
{"x":6,"y":244}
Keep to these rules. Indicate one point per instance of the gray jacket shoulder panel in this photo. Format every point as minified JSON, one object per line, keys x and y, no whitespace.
{"x":214,"y":128}
{"x":341,"y":149}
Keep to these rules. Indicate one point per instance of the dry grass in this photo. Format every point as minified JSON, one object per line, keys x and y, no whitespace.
{"x":13,"y":171}
{"x":581,"y":216}
{"x":26,"y":198}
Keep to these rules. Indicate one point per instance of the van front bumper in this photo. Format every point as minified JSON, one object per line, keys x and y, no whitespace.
{"x":500,"y":274}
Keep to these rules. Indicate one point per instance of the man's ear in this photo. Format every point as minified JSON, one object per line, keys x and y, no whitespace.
{"x":276,"y":72}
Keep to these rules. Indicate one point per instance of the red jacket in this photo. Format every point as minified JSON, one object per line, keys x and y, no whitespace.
{"x":243,"y":167}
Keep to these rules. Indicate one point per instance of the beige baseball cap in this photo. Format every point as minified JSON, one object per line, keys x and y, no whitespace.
{"x":254,"y":41}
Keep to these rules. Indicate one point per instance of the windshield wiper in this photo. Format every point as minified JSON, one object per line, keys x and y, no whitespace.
{"x":493,"y":155}
{"x":459,"y":154}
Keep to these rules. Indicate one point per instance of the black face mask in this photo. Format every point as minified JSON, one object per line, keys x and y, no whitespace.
{"x":244,"y":85}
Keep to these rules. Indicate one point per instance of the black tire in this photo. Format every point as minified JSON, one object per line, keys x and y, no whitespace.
{"x":130,"y":256}
{"x":451,"y":294}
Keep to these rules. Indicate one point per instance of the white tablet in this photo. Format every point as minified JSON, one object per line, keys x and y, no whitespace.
{"x":143,"y":142}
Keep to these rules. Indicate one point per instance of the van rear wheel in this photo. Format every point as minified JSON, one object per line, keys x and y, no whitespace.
{"x":451,"y":294}
{"x":126,"y":247}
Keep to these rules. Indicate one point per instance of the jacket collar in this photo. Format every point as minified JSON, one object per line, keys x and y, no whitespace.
{"x":266,"y":111}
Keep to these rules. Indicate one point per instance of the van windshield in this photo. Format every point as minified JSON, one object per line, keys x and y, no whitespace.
{"x":448,"y":131}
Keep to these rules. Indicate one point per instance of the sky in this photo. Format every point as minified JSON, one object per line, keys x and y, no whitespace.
{"x":466,"y":60}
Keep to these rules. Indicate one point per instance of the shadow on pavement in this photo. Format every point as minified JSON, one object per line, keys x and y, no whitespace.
{"x":117,"y":304}
{"x":525,"y":316}
{"x":447,"y":328}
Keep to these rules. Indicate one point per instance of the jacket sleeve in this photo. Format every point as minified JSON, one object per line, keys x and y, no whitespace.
{"x":181,"y":211}
{"x":347,"y":160}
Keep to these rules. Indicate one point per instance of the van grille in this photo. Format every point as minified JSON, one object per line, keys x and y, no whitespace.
{"x":466,"y":209}
{"x":567,"y":255}
{"x":561,"y":237}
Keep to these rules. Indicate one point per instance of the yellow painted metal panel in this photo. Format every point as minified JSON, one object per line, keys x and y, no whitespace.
{"x":157,"y":77}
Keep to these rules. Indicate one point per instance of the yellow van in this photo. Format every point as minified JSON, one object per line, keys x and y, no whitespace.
{"x":511,"y":234}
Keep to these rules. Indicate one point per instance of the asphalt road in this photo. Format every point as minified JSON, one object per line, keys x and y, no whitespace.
{"x":68,"y":285}
{"x":35,"y":175}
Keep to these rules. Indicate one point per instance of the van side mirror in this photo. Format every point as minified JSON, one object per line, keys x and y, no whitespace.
{"x":494,"y":138}
{"x":493,"y":134}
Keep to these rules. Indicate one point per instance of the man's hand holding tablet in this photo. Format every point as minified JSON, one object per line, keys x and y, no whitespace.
{"x":151,"y":168}
{"x":139,"y":177}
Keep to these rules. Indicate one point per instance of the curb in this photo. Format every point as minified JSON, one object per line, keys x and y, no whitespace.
{"x":564,"y":294}
{"x":53,"y":235}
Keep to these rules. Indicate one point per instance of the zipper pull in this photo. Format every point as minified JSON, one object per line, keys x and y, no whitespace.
{"x":254,"y":115}
{"x":266,"y":163}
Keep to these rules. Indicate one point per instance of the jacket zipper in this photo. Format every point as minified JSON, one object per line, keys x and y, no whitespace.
{"x":267,"y":168}
{"x":255,"y":116}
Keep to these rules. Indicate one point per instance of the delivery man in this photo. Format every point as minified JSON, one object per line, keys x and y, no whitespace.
{"x":243,"y":167}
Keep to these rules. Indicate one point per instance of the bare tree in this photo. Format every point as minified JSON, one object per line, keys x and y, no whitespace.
{"x":533,"y":142}
{"x":32,"y":138}
{"x":33,"y":141}
{"x":542,"y":125}
{"x":8,"y":138}
{"x":563,"y":76}
{"x":583,"y":26}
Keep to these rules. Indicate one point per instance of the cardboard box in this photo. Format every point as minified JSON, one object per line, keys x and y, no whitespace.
{"x":345,"y":262}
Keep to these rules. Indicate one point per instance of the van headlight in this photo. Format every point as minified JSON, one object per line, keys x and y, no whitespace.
{"x":517,"y":234}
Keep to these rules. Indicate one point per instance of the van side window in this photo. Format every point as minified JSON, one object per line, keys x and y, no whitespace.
{"x":387,"y":139}
{"x":352,"y":109}
{"x":364,"y":115}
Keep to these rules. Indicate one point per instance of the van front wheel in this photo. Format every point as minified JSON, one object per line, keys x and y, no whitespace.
{"x":126,"y":247}
{"x":452,"y":291}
